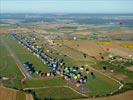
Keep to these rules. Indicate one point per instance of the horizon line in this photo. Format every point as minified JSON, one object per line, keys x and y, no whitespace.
{"x":57,"y":13}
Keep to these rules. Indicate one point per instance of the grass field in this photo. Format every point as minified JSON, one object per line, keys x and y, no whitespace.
{"x":88,"y":47}
{"x":100,"y":86}
{"x":120,"y":68}
{"x":44,"y":83}
{"x":8,"y":68}
{"x":23,"y":54}
{"x":75,"y":56}
{"x":58,"y":93}
{"x":69,"y":55}
{"x":93,"y":48}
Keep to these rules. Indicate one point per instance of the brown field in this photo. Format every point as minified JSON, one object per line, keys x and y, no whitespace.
{"x":29,"y":97}
{"x":128,"y":45}
{"x":81,"y":28}
{"x":117,"y":48}
{"x":128,"y":31}
{"x":4,"y":30}
{"x":94,"y":48}
{"x":116,"y":33}
{"x":124,"y":96}
{"x":72,"y":53}
{"x":17,"y":30}
{"x":7,"y":94}
{"x":82,"y":33}
{"x":40,"y":31}
{"x":11,"y":94}
{"x":91,"y":48}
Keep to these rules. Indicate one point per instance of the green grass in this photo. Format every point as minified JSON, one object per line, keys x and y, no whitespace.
{"x":8,"y":68}
{"x":99,"y":86}
{"x":69,"y":60}
{"x":45,"y":83}
{"x":118,"y":67}
{"x":94,"y":87}
{"x":15,"y":84}
{"x":53,"y":88}
{"x":57,"y":93}
{"x":24,"y":55}
{"x":126,"y":87}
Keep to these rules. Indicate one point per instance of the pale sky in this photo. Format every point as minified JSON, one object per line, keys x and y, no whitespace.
{"x":66,"y":6}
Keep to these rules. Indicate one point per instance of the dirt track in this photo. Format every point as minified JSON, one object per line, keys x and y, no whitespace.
{"x":124,"y":96}
{"x":6,"y":94}
{"x":11,"y":94}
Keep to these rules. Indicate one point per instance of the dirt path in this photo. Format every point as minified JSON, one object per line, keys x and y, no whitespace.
{"x":12,"y":94}
{"x":124,"y":96}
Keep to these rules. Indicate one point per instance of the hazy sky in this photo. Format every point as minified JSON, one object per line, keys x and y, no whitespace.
{"x":66,"y":6}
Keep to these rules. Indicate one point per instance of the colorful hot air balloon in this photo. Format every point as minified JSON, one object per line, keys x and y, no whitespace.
{"x":110,"y":55}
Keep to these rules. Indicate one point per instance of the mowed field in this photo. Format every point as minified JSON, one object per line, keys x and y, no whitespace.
{"x":93,"y":48}
{"x":69,"y":55}
{"x":100,"y":86}
{"x":11,"y":94}
{"x":58,"y":93}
